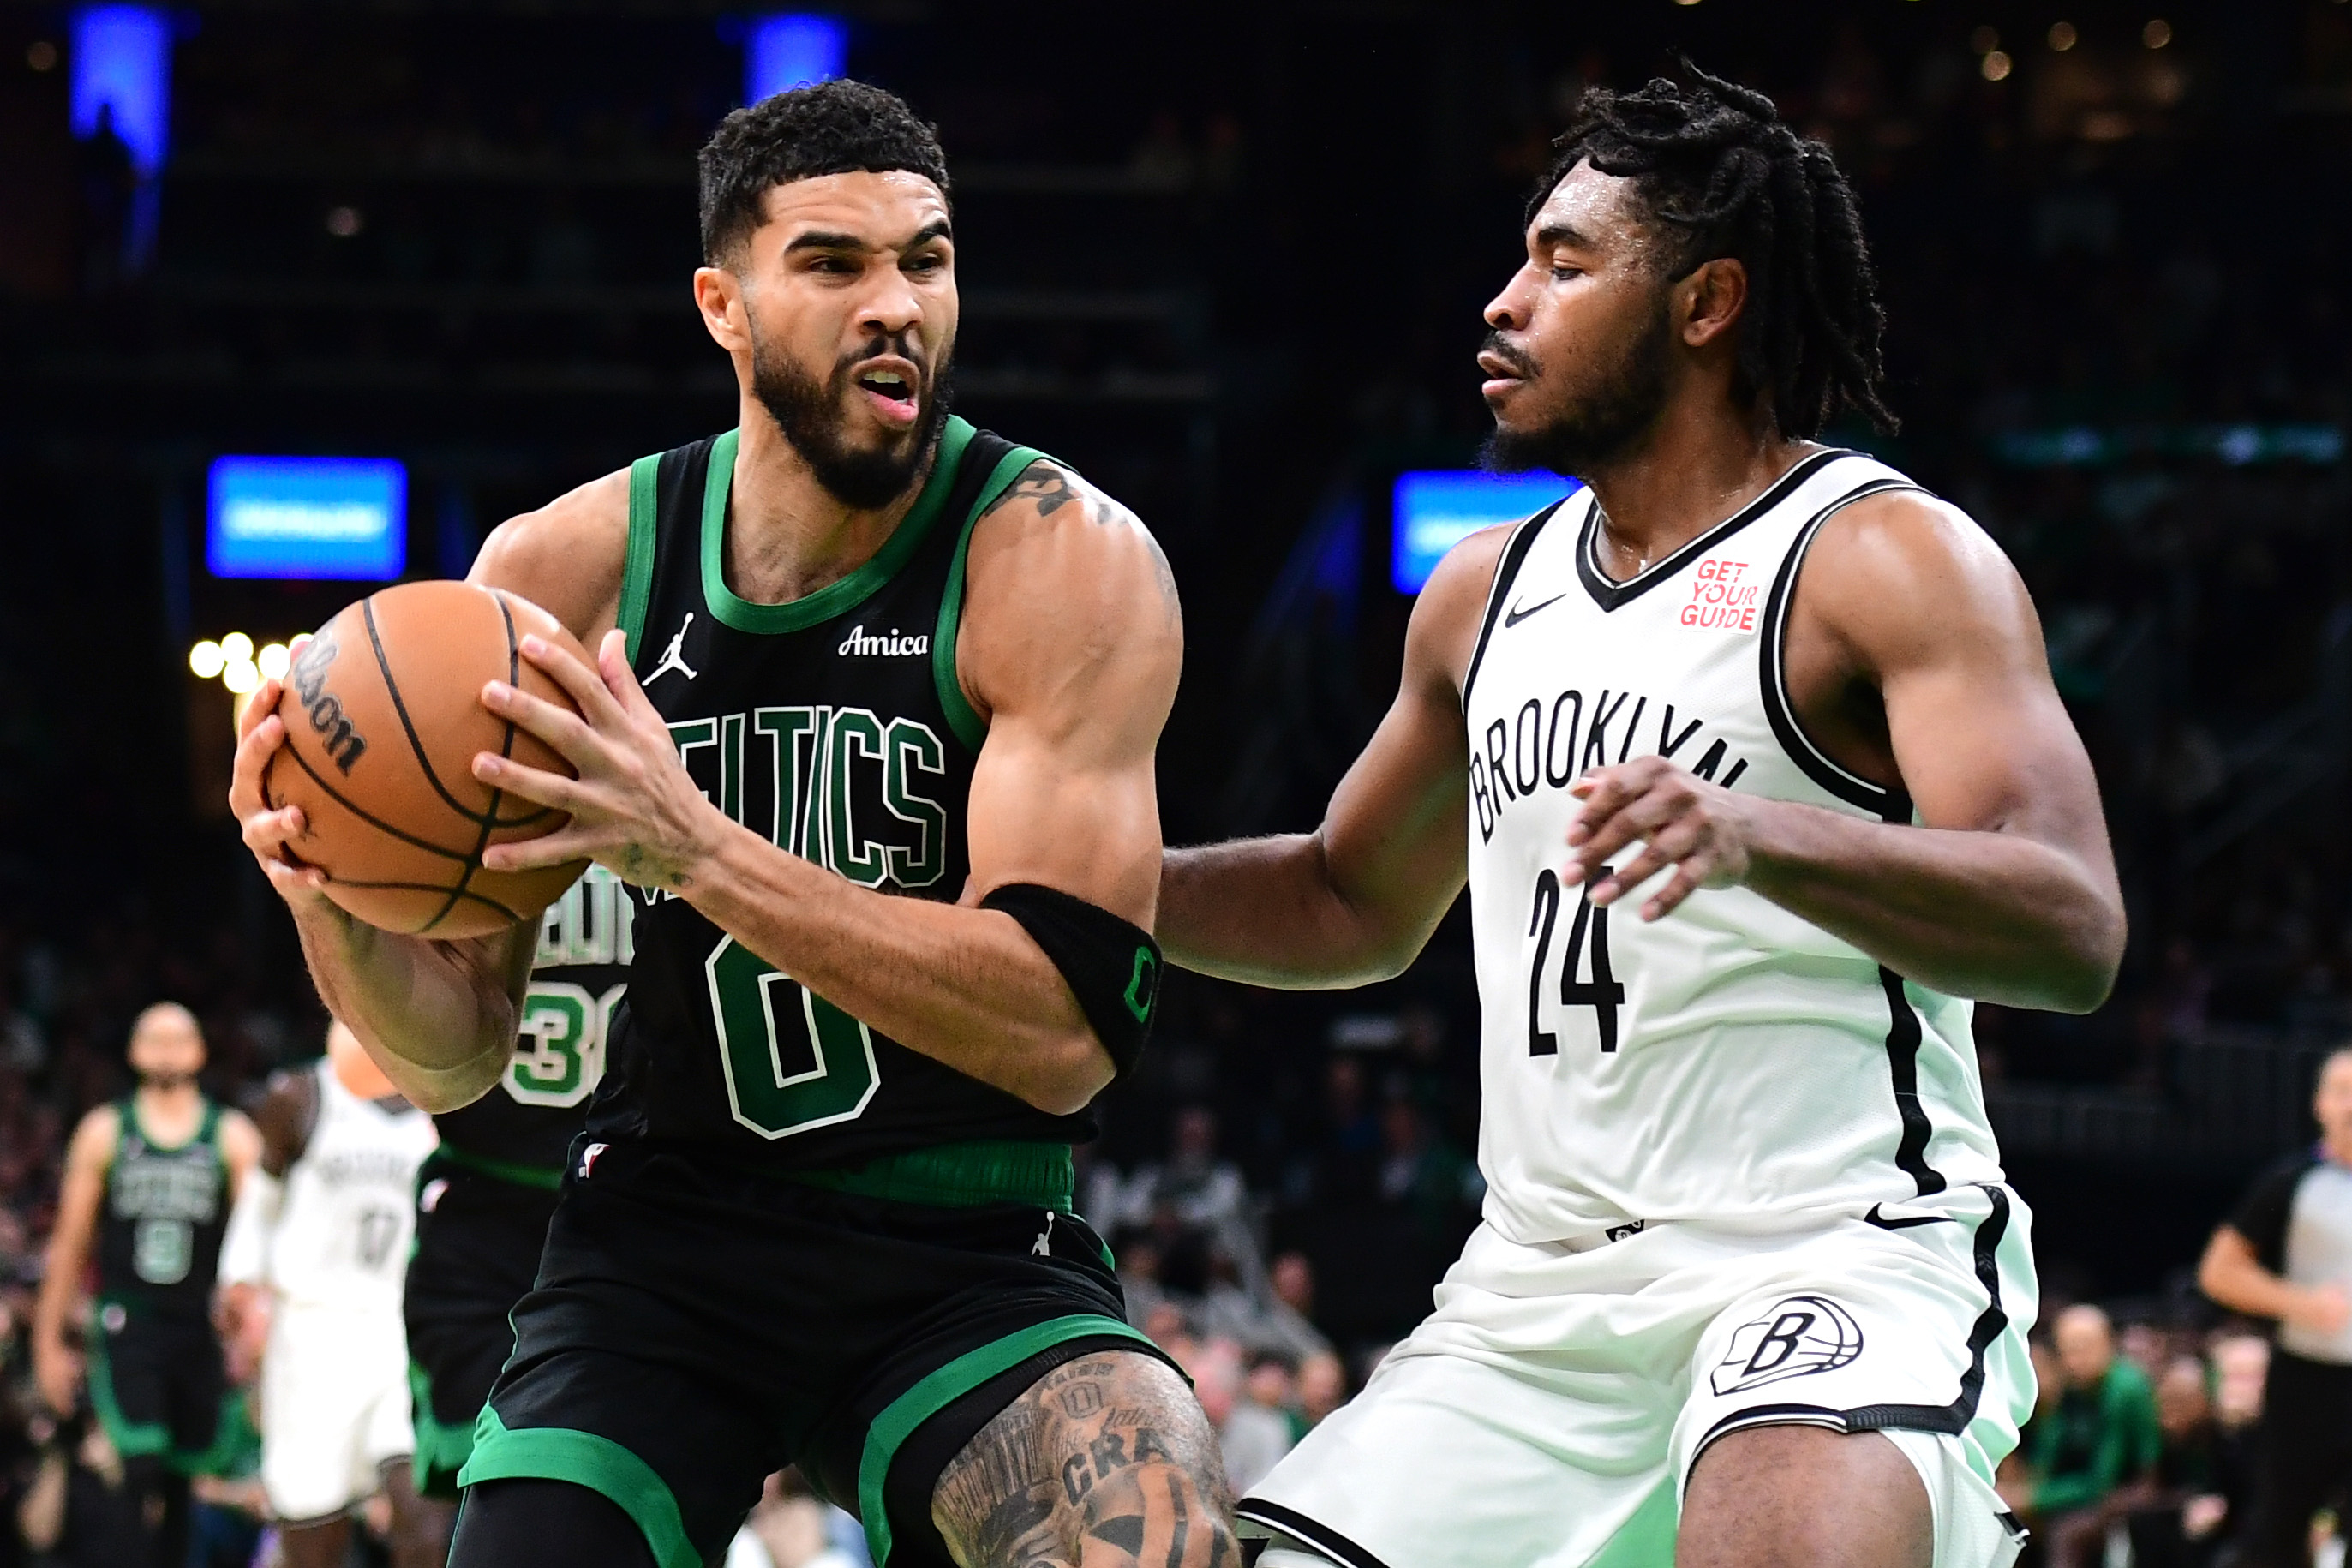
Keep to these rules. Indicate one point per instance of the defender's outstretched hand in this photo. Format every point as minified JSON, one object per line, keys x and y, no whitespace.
{"x":634,"y":808}
{"x":1682,"y":821}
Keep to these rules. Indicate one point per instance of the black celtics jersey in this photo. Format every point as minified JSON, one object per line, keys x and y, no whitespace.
{"x":160,"y":1226}
{"x":524,"y":1127}
{"x":834,"y":726}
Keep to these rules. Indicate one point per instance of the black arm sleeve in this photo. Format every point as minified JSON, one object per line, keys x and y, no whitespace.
{"x":1112,"y":966}
{"x":2262,"y":1215}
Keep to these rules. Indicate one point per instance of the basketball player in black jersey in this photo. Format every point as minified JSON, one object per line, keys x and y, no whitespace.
{"x":151,"y":1178}
{"x":484,"y":1197}
{"x":870,"y":734}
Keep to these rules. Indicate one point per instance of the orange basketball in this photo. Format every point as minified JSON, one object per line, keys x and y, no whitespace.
{"x":384,"y":716}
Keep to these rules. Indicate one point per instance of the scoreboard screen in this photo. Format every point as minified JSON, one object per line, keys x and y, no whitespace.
{"x":307,"y":517}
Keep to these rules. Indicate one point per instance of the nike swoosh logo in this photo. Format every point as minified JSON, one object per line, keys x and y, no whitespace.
{"x":1514,"y":616}
{"x":1877,"y":1217}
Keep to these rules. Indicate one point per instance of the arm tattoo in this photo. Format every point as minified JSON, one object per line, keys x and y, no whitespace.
{"x":1049,"y":489}
{"x":1109,"y":1451}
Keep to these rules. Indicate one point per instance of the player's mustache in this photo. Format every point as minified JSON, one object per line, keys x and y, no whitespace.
{"x":1522,"y":363}
{"x":902,"y":344}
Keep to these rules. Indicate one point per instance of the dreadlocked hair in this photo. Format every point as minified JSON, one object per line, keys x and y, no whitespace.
{"x":1713,"y":162}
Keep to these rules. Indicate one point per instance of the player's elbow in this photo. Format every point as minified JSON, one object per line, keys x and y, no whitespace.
{"x":2089,"y":959}
{"x":1066,"y":1074}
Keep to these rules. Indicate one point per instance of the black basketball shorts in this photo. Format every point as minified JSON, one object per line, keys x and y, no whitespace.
{"x":479,"y":1229}
{"x":694,"y":1329}
{"x":156,"y":1383}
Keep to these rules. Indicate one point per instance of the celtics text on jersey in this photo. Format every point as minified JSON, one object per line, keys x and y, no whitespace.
{"x":836,"y":727}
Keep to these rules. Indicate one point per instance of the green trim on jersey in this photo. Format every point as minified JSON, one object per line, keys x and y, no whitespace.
{"x":562,"y":1453}
{"x":442,"y":1449}
{"x":961,"y":1176}
{"x":834,"y":598}
{"x":547,"y":1178}
{"x":637,"y":573}
{"x":235,"y":1451}
{"x":207,"y":1128}
{"x":962,"y":718}
{"x":942,"y":1388}
{"x":131,"y":1439}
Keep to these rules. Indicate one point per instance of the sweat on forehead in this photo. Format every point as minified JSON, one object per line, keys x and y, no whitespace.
{"x":1602,"y":213}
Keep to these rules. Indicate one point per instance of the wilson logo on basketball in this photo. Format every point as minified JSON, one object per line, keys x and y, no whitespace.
{"x":336,"y":734}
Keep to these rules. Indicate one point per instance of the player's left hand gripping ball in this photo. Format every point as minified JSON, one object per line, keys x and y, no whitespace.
{"x":634,"y":808}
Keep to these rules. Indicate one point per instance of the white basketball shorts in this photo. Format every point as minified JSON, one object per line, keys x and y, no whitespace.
{"x":334,"y":1407}
{"x":1548,"y":1413}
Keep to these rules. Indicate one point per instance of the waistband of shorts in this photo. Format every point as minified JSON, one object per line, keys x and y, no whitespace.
{"x":961,"y":1175}
{"x":547,"y":1178}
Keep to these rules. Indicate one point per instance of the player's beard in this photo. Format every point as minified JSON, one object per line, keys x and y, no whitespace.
{"x":167,"y":1081}
{"x":813,"y":415}
{"x":1612,"y":413}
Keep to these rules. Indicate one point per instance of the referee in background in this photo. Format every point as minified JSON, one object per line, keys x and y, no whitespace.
{"x":2286,"y":1253}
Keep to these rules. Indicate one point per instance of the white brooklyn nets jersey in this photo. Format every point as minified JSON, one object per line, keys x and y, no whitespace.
{"x":1729,"y":1060}
{"x":343,"y":1230}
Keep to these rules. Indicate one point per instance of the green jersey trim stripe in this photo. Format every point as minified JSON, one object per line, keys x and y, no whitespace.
{"x":942,"y":1388}
{"x":584,"y":1459}
{"x":961,"y":1175}
{"x":442,"y":1448}
{"x":131,"y":1439}
{"x":207,"y":1128}
{"x":834,"y":598}
{"x":548,"y":1178}
{"x":962,"y":718}
{"x":637,"y":571}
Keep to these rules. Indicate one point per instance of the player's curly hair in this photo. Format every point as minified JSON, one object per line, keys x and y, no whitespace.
{"x":832,"y":128}
{"x":1715,"y":163}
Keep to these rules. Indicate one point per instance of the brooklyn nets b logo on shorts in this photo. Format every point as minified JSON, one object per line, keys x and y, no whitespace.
{"x":1800,"y":1335}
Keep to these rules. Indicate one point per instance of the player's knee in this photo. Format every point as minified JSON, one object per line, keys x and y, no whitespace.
{"x":1804,"y":1497}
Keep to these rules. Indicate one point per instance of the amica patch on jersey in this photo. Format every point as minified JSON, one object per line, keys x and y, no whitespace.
{"x":1796,"y":1337}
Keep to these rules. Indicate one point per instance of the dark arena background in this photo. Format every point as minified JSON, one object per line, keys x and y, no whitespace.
{"x":1228,"y":261}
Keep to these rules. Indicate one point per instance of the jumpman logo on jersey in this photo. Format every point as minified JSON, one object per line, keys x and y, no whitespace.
{"x":674,"y":656}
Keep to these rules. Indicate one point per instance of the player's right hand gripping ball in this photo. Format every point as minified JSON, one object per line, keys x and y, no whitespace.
{"x":384,"y":715}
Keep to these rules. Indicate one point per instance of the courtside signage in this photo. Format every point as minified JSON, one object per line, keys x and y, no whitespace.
{"x":1436,"y":508}
{"x":307,"y":517}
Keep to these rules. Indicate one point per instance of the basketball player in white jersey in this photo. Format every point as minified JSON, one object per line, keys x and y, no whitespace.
{"x":322,"y":1233}
{"x":1750,"y":758}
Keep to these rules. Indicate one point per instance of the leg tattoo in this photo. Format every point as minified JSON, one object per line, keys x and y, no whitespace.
{"x":1106,"y":1462}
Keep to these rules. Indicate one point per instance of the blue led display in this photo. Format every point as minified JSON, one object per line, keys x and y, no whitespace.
{"x":122,"y":63}
{"x":1436,"y":508}
{"x":792,"y":50}
{"x":307,"y":517}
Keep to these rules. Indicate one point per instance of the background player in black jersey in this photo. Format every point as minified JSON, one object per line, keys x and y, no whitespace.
{"x":822,"y":1213}
{"x":485,"y":1195}
{"x":151,"y":1179}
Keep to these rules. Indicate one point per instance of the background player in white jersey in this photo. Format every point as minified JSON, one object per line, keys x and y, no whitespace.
{"x":1763,"y":774}
{"x":322,"y":1234}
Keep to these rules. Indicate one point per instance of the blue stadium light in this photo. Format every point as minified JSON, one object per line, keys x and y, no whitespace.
{"x":307,"y":517}
{"x":122,"y":63}
{"x":1437,"y":508}
{"x":793,"y":50}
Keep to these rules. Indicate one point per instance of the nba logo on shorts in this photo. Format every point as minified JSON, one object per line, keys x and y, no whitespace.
{"x":1800,"y":1335}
